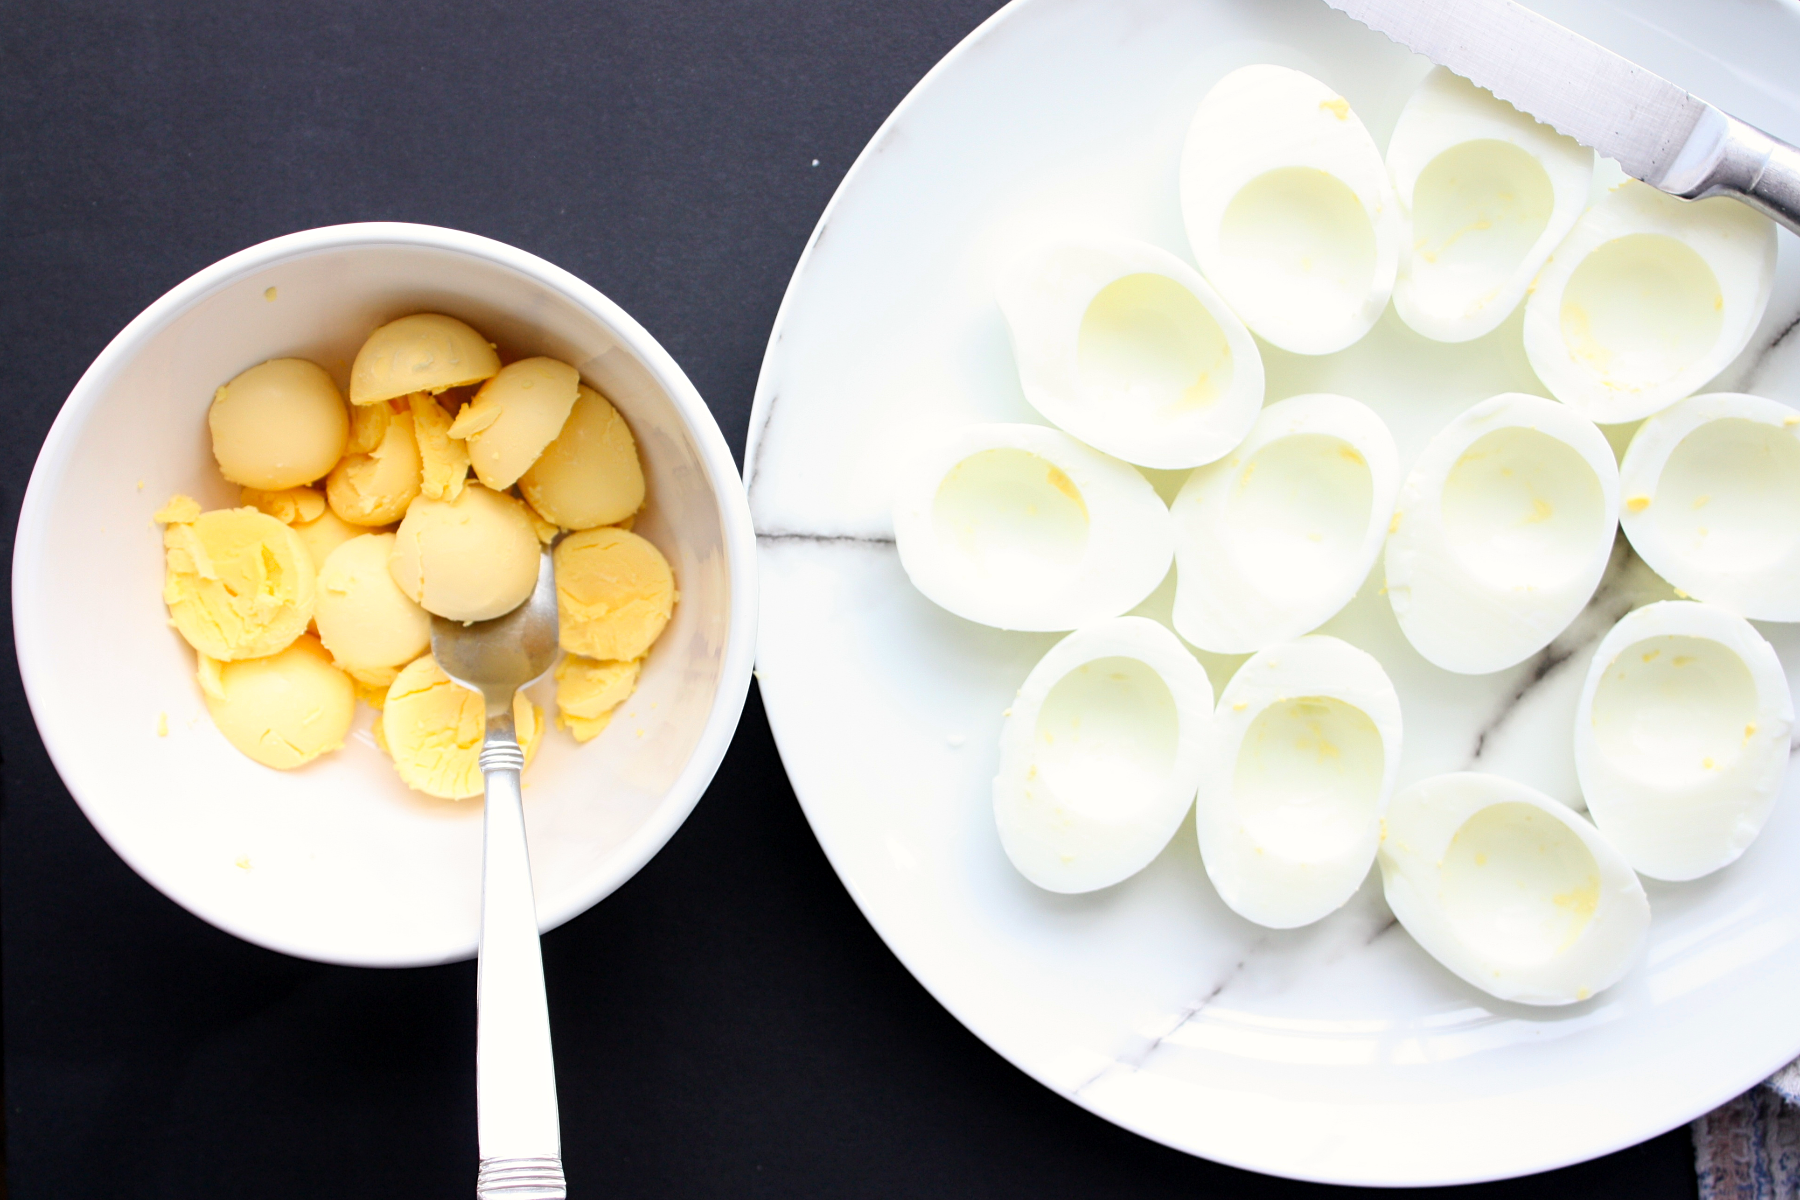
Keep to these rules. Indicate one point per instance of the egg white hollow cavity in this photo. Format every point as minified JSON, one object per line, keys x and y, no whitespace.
{"x":1502,"y":532}
{"x":1100,"y":755}
{"x":1510,"y":890}
{"x":1647,"y":299}
{"x":1125,"y":346}
{"x":1488,"y":193}
{"x":1682,"y":737}
{"x":1276,"y":537}
{"x":1306,"y":742}
{"x":1711,"y":501}
{"x":1024,"y":527}
{"x":1289,"y":209}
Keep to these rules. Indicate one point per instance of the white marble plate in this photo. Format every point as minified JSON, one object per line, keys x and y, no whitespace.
{"x":1338,"y":1052}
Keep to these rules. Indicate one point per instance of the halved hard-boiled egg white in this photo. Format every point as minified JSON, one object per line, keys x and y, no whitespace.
{"x":1100,"y":755}
{"x":1711,"y":492}
{"x":1272,"y":540}
{"x":1023,"y":527}
{"x":1306,"y":741}
{"x":1503,"y":530}
{"x":1647,"y":299}
{"x":1490,"y":192}
{"x":1289,"y":209}
{"x":1681,"y":737}
{"x":1126,"y":347}
{"x":1510,"y":890}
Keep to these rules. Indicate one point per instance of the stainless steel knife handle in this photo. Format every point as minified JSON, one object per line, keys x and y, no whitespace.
{"x":1728,"y":157}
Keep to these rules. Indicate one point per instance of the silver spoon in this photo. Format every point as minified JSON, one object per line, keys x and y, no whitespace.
{"x":515,"y":1075}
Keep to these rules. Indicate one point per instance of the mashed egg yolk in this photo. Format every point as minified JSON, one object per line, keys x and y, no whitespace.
{"x":239,"y":584}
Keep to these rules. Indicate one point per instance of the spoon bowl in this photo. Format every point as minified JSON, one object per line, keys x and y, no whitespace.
{"x":500,"y":656}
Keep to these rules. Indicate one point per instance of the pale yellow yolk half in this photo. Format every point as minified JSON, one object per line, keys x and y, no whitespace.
{"x":590,"y":475}
{"x":514,"y":416}
{"x":284,"y":710}
{"x":426,"y":352}
{"x":239,"y":584}
{"x":364,"y":619}
{"x":614,"y":593}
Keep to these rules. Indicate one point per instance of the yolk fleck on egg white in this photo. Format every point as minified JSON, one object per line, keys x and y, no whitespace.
{"x":1540,"y":511}
{"x":1337,"y":106}
{"x":1066,"y":486}
{"x":1638,"y":503}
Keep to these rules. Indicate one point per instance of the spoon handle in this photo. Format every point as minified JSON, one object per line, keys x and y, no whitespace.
{"x":515,"y":1075}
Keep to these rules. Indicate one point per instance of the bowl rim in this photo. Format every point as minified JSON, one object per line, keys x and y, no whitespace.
{"x":30,"y":604}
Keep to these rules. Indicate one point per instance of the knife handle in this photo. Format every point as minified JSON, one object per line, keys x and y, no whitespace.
{"x":1728,"y":157}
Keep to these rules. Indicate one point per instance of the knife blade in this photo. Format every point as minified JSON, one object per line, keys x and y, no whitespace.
{"x":1658,"y":132}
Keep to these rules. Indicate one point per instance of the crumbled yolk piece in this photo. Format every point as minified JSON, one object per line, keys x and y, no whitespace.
{"x":290,"y":506}
{"x":376,"y":488}
{"x":587,"y":692}
{"x":444,"y":460}
{"x":545,"y":530}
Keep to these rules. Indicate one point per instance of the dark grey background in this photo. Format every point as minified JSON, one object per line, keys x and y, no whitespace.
{"x":727,"y":1024}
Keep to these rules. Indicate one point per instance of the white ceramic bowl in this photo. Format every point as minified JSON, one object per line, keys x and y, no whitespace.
{"x":339,"y":861}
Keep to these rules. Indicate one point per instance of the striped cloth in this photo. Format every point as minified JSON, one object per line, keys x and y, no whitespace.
{"x":1749,"y":1149}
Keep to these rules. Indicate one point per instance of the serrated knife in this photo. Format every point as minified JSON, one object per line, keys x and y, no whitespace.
{"x":1658,"y":133}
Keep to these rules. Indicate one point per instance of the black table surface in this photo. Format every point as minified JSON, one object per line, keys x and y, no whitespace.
{"x":727,"y":1024}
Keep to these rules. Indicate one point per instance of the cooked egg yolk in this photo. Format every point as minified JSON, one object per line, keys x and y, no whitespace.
{"x":426,"y":352}
{"x":376,"y":488}
{"x":468,"y":559}
{"x":514,"y":416}
{"x":614,"y":593}
{"x":284,"y":710}
{"x":587,"y":692}
{"x":278,"y":425}
{"x":239,"y":584}
{"x":590,"y":475}
{"x":433,"y":728}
